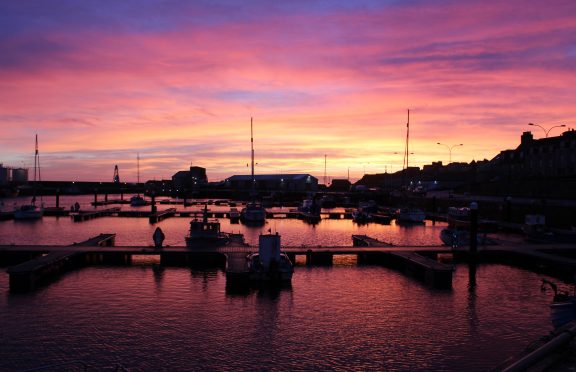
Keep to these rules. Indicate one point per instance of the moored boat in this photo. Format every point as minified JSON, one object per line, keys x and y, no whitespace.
{"x":563,"y":306}
{"x":253,"y":213}
{"x":137,"y":201}
{"x":32,"y":211}
{"x":205,"y":233}
{"x":28,"y":212}
{"x":270,"y":264}
{"x":234,"y":215}
{"x":410,"y":215}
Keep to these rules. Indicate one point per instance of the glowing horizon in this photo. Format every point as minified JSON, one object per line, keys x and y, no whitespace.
{"x":101,"y":81}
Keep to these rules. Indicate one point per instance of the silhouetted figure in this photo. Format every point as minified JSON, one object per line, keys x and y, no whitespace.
{"x":158,"y":237}
{"x":77,"y":207}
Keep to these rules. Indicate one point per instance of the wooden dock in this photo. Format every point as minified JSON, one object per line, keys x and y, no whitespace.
{"x":419,"y":262}
{"x":428,"y":270}
{"x":88,"y":215}
{"x":27,"y":275}
{"x":162,"y":215}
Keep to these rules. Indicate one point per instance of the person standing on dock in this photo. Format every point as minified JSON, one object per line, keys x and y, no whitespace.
{"x":158,"y":237}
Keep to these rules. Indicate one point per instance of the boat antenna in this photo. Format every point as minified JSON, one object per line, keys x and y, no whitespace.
{"x":138,"y":167}
{"x":36,"y":170}
{"x":407,"y":140}
{"x":324,"y":169}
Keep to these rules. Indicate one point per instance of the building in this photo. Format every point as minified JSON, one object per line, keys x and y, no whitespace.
{"x":340,"y":185}
{"x":274,"y":182}
{"x":190,"y":179}
{"x":4,"y":175}
{"x":545,"y":157}
{"x":15,"y":175}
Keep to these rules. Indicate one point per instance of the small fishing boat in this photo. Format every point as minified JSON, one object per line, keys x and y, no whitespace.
{"x":205,"y":233}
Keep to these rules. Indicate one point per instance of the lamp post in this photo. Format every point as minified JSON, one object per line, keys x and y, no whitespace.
{"x":546,"y":131}
{"x":449,"y":150}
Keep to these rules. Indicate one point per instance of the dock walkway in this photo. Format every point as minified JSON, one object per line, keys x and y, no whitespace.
{"x":27,"y":275}
{"x":88,"y":215}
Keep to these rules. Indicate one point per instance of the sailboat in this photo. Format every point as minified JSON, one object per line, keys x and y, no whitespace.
{"x":137,"y":200}
{"x":253,"y":213}
{"x":409,"y":214}
{"x":32,"y":211}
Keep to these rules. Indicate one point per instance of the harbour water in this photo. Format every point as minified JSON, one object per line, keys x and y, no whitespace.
{"x":339,"y":317}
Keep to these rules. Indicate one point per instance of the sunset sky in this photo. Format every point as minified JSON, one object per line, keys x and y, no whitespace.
{"x":177,"y":82}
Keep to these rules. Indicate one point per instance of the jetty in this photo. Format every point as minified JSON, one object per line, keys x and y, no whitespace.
{"x":88,"y":215}
{"x":428,"y":270}
{"x":27,"y":275}
{"x":161,"y":215}
{"x":34,"y":262}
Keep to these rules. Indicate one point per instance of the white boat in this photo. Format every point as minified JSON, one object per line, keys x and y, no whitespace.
{"x":205,"y":233}
{"x":270,"y":264}
{"x":234,"y":214}
{"x":32,"y":211}
{"x":411,"y":215}
{"x":28,"y":212}
{"x":253,"y":213}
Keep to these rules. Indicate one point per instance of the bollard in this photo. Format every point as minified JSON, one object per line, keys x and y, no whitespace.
{"x":473,"y":245}
{"x":434,"y":210}
{"x":473,"y":229}
{"x":57,"y":198}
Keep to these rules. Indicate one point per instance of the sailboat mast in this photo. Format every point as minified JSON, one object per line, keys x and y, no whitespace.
{"x":252,"y":148}
{"x":407,"y":138}
{"x":138,"y":167}
{"x":252,"y":158}
{"x":36,"y":161}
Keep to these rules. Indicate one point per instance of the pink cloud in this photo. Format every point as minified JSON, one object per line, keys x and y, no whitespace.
{"x":325,"y":82}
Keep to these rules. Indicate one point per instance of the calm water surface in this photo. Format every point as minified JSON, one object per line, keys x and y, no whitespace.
{"x":332,"y":318}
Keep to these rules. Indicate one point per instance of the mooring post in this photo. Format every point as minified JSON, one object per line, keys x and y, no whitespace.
{"x":57,"y":198}
{"x":508,"y":209}
{"x":473,"y":245}
{"x":473,"y":229}
{"x":95,"y":196}
{"x":433,"y":209}
{"x":153,"y":196}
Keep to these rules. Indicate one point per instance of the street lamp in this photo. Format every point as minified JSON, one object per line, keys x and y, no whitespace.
{"x":549,"y":129}
{"x":450,"y":150}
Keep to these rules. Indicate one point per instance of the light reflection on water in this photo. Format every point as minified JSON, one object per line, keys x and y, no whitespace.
{"x":339,"y":317}
{"x":331,"y":318}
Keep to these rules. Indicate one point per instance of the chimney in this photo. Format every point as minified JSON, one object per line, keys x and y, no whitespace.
{"x":526,"y":138}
